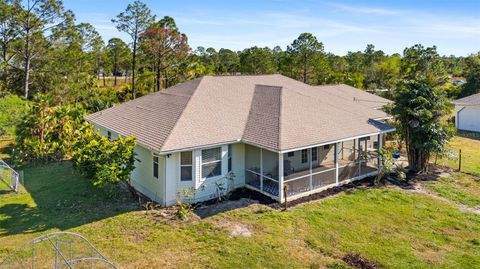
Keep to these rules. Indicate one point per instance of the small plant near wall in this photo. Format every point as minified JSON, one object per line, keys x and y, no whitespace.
{"x":184,"y":208}
{"x":388,"y":166}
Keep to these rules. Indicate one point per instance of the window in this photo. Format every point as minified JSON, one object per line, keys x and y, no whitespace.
{"x":109,"y":135}
{"x":186,"y":166}
{"x":314,"y":154}
{"x":155,"y":166}
{"x":326,"y":147}
{"x":211,"y":162}
{"x":229,"y":158}
{"x":304,"y":155}
{"x":291,"y":154}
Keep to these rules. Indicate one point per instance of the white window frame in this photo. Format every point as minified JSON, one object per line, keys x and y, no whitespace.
{"x":217,"y":161}
{"x":186,"y":165}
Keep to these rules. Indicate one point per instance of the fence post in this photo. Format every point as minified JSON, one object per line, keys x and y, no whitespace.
{"x":460,"y":160}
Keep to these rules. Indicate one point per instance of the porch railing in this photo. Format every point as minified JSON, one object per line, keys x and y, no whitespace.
{"x":327,"y":177}
{"x":261,"y":182}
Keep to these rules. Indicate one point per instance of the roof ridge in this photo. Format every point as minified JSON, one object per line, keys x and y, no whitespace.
{"x":280,"y":106}
{"x":253,"y":113}
{"x":183,"y":111}
{"x":243,"y":75}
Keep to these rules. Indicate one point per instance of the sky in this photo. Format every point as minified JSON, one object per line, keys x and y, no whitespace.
{"x":342,"y":26}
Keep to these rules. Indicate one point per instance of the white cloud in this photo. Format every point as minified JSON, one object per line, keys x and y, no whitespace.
{"x":366,"y":10}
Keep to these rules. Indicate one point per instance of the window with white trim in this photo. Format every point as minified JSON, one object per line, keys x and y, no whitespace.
{"x":109,"y":135}
{"x":304,"y":155}
{"x":186,"y":166}
{"x":229,"y":158}
{"x":211,"y":162}
{"x":155,"y":166}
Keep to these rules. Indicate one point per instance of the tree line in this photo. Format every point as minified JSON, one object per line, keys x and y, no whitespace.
{"x":44,"y":50}
{"x":54,"y":71}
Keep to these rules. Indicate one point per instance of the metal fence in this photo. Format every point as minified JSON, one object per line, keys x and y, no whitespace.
{"x":9,"y":176}
{"x":57,"y":250}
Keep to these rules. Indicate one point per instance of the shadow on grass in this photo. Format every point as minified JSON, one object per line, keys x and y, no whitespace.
{"x":6,"y":148}
{"x":58,"y":197}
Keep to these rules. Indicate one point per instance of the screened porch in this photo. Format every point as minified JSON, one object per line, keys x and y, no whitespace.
{"x":312,"y":169}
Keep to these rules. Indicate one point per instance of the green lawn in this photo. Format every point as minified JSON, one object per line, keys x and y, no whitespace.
{"x":470,"y":155}
{"x":459,"y":188}
{"x":395,"y":228}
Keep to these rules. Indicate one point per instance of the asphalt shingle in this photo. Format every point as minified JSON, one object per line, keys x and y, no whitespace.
{"x":271,"y":111}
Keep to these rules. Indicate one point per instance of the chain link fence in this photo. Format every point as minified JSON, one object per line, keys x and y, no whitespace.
{"x":9,"y":176}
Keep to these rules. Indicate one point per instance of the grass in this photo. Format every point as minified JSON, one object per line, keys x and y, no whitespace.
{"x":470,"y":155}
{"x":5,"y":148}
{"x":395,"y":228}
{"x":460,"y":188}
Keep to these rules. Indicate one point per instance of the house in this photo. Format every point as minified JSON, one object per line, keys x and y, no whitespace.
{"x":216,"y":133}
{"x":467,"y":113}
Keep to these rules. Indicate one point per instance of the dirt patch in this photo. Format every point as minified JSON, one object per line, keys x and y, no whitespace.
{"x":241,"y":230}
{"x":357,"y":261}
{"x":166,"y":214}
{"x":234,"y":228}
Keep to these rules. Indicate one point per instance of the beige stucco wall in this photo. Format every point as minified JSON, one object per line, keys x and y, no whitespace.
{"x":200,"y":189}
{"x":142,"y":178}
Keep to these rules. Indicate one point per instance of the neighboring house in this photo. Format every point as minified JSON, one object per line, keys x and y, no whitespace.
{"x":268,"y":131}
{"x":467,"y":113}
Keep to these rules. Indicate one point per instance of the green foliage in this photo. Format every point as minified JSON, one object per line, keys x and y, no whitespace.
{"x":184,"y":207}
{"x":419,"y":111}
{"x":423,"y":64}
{"x":473,"y":76}
{"x":12,"y":109}
{"x":308,"y":59}
{"x":257,"y":60}
{"x":388,"y":165}
{"x":98,"y":99}
{"x":165,"y":48}
{"x":136,"y":18}
{"x":105,"y":161}
{"x":48,"y":132}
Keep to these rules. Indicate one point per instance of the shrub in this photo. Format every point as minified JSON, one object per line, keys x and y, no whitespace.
{"x":105,"y":161}
{"x":49,"y":132}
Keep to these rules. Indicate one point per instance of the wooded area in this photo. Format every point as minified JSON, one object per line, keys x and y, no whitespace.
{"x":45,"y":50}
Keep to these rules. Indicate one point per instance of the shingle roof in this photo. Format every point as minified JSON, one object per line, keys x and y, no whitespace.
{"x":263,"y":124}
{"x":353,"y":94}
{"x":271,"y":111}
{"x":471,"y":100}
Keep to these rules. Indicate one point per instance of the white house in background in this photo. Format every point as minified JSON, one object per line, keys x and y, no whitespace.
{"x":467,"y":113}
{"x":260,"y":132}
